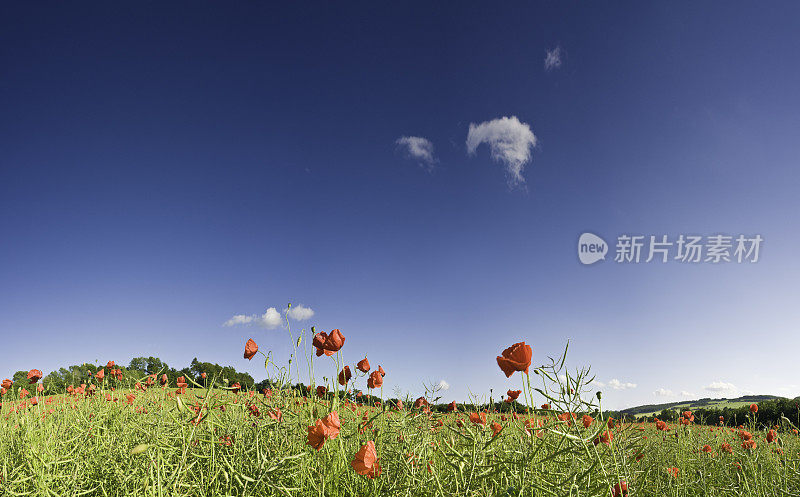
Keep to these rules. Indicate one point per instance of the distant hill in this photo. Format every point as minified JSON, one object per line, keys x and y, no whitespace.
{"x":707,"y":403}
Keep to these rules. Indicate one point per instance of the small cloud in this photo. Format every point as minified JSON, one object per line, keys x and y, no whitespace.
{"x":419,"y":149}
{"x":239,"y":319}
{"x":443,"y":385}
{"x":300,"y":312}
{"x":684,"y":393}
{"x":552,"y":59}
{"x":619,"y":385}
{"x":663,"y":392}
{"x":269,"y":320}
{"x":721,"y":386}
{"x":510,"y":142}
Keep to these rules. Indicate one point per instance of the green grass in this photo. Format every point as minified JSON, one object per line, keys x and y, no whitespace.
{"x":158,"y":445}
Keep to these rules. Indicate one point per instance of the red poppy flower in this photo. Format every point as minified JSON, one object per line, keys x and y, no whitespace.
{"x":496,"y":428}
{"x":130,"y":398}
{"x":606,"y":437}
{"x":100,"y":375}
{"x":34,"y":375}
{"x":366,"y":462}
{"x":7,"y":383}
{"x":478,"y":419}
{"x":420,"y":402}
{"x":546,"y":407}
{"x":513,"y":394}
{"x":321,"y":391}
{"x":771,"y":436}
{"x":164,"y":379}
{"x":332,"y":424}
{"x":620,"y":490}
{"x":515,"y":358}
{"x":673,"y":471}
{"x":345,"y":375}
{"x":110,"y":365}
{"x":250,"y":349}
{"x":277,"y":415}
{"x":236,"y":387}
{"x":203,"y":376}
{"x":381,"y":371}
{"x":328,"y":344}
{"x":587,"y":421}
{"x":363,"y":365}
{"x":316,"y":435}
{"x":182,"y":382}
{"x":451,"y":406}
{"x":754,"y":408}
{"x":375,"y":380}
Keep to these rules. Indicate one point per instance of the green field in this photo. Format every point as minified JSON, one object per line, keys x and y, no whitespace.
{"x":691,"y":405}
{"x":161,"y":441}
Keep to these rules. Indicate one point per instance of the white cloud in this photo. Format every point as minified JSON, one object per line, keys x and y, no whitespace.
{"x":510,"y":142}
{"x":552,"y":59}
{"x":684,"y":393}
{"x":269,"y":320}
{"x":443,"y":385}
{"x":239,"y":319}
{"x":596,"y":383}
{"x":721,"y":386}
{"x":419,"y":149}
{"x":300,"y":312}
{"x":663,"y":392}
{"x":619,"y":385}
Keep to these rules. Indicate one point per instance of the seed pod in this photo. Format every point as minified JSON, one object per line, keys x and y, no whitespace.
{"x":139,"y":449}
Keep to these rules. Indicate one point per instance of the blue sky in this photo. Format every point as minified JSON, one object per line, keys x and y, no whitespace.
{"x":166,"y":167}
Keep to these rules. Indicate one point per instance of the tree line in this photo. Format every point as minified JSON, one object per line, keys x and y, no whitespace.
{"x":57,"y":381}
{"x":770,"y":413}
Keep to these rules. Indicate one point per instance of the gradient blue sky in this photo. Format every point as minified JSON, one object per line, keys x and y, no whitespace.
{"x":165,"y":166}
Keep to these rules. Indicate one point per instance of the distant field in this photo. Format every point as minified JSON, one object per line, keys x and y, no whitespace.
{"x":692,"y":405}
{"x":706,"y":403}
